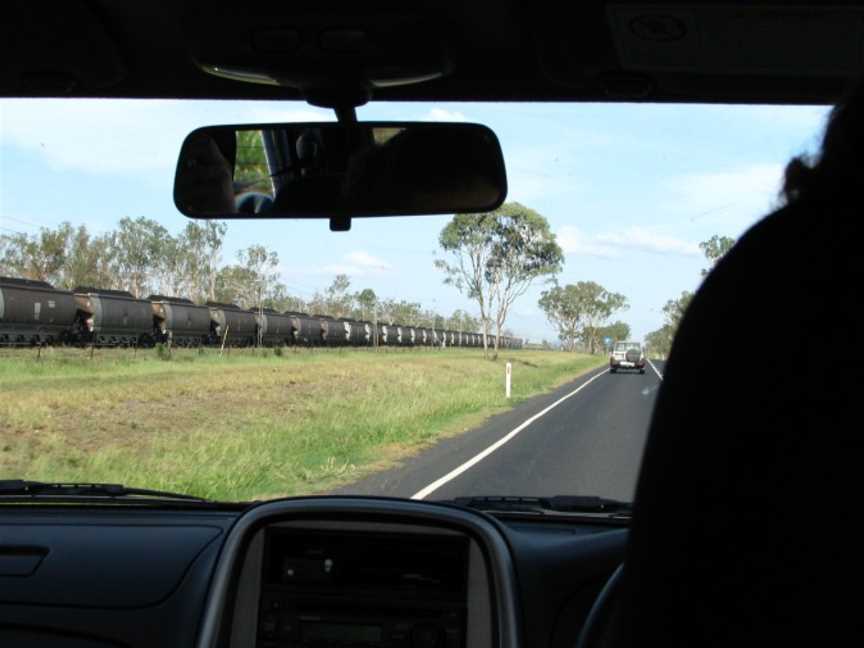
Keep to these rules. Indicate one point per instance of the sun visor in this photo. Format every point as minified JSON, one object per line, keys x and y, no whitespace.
{"x":331,"y":58}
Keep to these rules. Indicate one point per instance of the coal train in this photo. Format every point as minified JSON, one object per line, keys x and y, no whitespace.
{"x":35,"y":313}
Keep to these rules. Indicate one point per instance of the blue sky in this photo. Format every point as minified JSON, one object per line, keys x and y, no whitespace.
{"x":630,"y":190}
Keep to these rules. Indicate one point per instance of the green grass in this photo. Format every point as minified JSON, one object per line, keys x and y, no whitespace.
{"x":248,"y":424}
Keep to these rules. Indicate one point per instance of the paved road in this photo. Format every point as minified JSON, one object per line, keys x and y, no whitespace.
{"x":590,"y":443}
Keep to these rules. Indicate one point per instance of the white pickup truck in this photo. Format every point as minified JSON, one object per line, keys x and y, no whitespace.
{"x":627,"y":355}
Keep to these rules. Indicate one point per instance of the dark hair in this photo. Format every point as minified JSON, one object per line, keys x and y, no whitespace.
{"x":226,"y":141}
{"x":838,"y":168}
{"x":414,"y":161}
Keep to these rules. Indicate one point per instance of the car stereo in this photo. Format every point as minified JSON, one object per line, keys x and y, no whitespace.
{"x":341,"y":589}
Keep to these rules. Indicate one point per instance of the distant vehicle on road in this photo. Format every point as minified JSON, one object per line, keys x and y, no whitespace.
{"x":627,"y":355}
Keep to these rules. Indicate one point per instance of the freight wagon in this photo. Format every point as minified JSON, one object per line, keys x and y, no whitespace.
{"x":112,"y":318}
{"x":231,"y":325}
{"x":274,"y":328}
{"x":34,"y":312}
{"x":179,"y":321}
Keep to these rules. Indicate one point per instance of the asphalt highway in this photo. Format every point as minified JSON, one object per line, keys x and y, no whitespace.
{"x":585,"y":438}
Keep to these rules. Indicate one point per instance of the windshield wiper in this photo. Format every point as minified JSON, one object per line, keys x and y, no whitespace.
{"x":18,"y":488}
{"x":545,"y":505}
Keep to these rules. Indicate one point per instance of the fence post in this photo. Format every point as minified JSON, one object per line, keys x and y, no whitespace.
{"x":508,"y":373}
{"x":224,"y":338}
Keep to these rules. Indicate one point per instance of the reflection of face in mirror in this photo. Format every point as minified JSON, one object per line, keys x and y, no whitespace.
{"x":424,"y":168}
{"x":309,"y":153}
{"x":320,"y":170}
{"x":315,"y":169}
{"x":205,"y":181}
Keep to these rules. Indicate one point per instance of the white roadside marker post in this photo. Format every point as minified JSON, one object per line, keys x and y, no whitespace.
{"x":508,"y":374}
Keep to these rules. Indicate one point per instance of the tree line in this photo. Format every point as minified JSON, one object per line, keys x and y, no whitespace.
{"x":143,"y":257}
{"x":492,"y":258}
{"x":580,"y":312}
{"x":140,"y":256}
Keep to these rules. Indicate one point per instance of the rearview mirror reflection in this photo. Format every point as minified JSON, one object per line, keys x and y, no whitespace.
{"x":322,"y":170}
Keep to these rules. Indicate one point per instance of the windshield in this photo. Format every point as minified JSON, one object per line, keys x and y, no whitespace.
{"x":255,"y":359}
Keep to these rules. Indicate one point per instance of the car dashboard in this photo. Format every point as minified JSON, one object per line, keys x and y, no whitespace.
{"x":308,"y":572}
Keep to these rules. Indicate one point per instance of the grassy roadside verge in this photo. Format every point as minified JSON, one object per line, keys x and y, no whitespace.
{"x":248,"y":425}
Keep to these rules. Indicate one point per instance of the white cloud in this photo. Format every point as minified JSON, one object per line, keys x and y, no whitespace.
{"x":537,"y":173}
{"x":574,"y":241}
{"x":645,"y":240}
{"x":358,"y":264}
{"x":366,"y":260}
{"x":797,"y":118}
{"x":611,"y":245}
{"x":526,"y":313}
{"x":442,"y":114}
{"x":341,"y":268}
{"x":123,"y":137}
{"x":93,"y":135}
{"x":734,"y":198}
{"x":761,"y":180}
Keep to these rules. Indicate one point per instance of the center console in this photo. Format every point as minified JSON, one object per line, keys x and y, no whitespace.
{"x":358,"y":572}
{"x":343,"y":588}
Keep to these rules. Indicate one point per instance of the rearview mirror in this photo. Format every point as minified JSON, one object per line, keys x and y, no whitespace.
{"x":339,"y":171}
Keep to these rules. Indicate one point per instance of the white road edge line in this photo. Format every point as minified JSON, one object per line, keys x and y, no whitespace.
{"x":659,"y":375}
{"x":438,"y":483}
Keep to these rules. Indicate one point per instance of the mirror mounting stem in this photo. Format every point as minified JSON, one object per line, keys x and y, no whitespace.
{"x":346,"y":114}
{"x":340,"y":223}
{"x":342,"y":100}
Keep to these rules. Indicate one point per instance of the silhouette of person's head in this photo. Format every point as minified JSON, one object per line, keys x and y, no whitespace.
{"x":425,"y":168}
{"x":309,"y":150}
{"x":837,"y":170}
{"x":205,"y":179}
